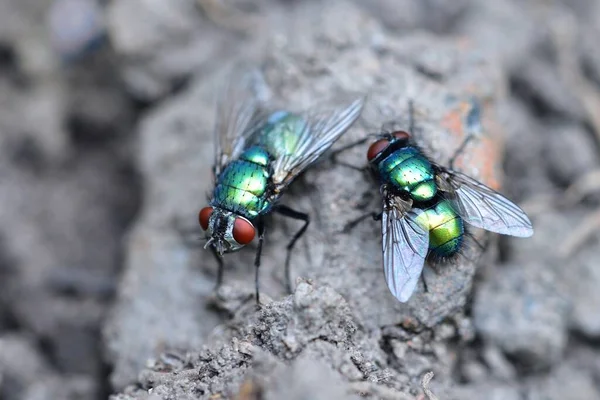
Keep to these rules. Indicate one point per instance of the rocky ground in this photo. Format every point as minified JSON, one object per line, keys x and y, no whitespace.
{"x":106,"y":148}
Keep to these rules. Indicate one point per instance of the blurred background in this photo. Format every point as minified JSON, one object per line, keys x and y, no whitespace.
{"x":80,"y":85}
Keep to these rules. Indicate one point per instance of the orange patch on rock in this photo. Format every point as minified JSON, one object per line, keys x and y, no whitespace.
{"x":453,"y":121}
{"x":485,"y":156}
{"x":250,"y":390}
{"x":483,"y":153}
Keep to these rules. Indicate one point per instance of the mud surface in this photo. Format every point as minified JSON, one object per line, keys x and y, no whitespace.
{"x":105,"y":156}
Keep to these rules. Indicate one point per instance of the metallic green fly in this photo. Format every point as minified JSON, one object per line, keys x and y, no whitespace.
{"x":260,"y":150}
{"x":426,"y":206}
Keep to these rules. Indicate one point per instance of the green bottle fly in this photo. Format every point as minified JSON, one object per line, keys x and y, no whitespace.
{"x":259,"y":152}
{"x":426,"y":206}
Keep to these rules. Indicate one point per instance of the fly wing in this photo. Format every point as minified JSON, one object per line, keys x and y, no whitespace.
{"x":405,"y":246}
{"x":320,"y":130}
{"x":238,"y":113}
{"x":485,"y":208}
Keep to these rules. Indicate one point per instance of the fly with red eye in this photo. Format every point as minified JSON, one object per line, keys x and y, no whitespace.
{"x":426,"y":207}
{"x":260,"y":150}
{"x":243,"y":231}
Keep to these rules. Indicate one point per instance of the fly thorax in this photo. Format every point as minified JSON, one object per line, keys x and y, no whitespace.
{"x":410,"y":171}
{"x":241,"y":187}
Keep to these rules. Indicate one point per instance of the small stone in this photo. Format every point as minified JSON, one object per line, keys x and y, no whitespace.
{"x":246,"y":348}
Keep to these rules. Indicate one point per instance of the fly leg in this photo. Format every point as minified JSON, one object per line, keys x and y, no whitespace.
{"x":424,"y":283}
{"x":334,"y":153}
{"x":290,"y":213}
{"x":473,"y":128}
{"x":349,"y":146}
{"x":352,"y":224}
{"x":480,"y":245}
{"x":459,"y":150}
{"x":429,"y":272}
{"x":261,"y":237}
{"x":220,"y":267}
{"x":474,"y":257}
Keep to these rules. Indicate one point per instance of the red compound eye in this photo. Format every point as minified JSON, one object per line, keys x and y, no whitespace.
{"x":401,"y":135}
{"x":243,"y":231}
{"x":203,"y":217}
{"x":377,"y":148}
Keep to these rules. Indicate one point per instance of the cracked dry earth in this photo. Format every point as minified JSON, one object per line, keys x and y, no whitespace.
{"x":100,"y":295}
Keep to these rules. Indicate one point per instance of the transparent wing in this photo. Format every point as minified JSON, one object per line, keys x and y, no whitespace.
{"x":320,"y":131}
{"x":485,"y":208}
{"x":405,"y":246}
{"x":238,"y":109}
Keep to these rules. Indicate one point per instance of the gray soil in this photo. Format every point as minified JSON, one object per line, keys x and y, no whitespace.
{"x":105,"y":160}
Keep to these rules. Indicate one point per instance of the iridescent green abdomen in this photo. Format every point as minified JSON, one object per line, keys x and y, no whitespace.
{"x":446,"y":229}
{"x":407,"y":169}
{"x":241,"y":187}
{"x":281,"y":133}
